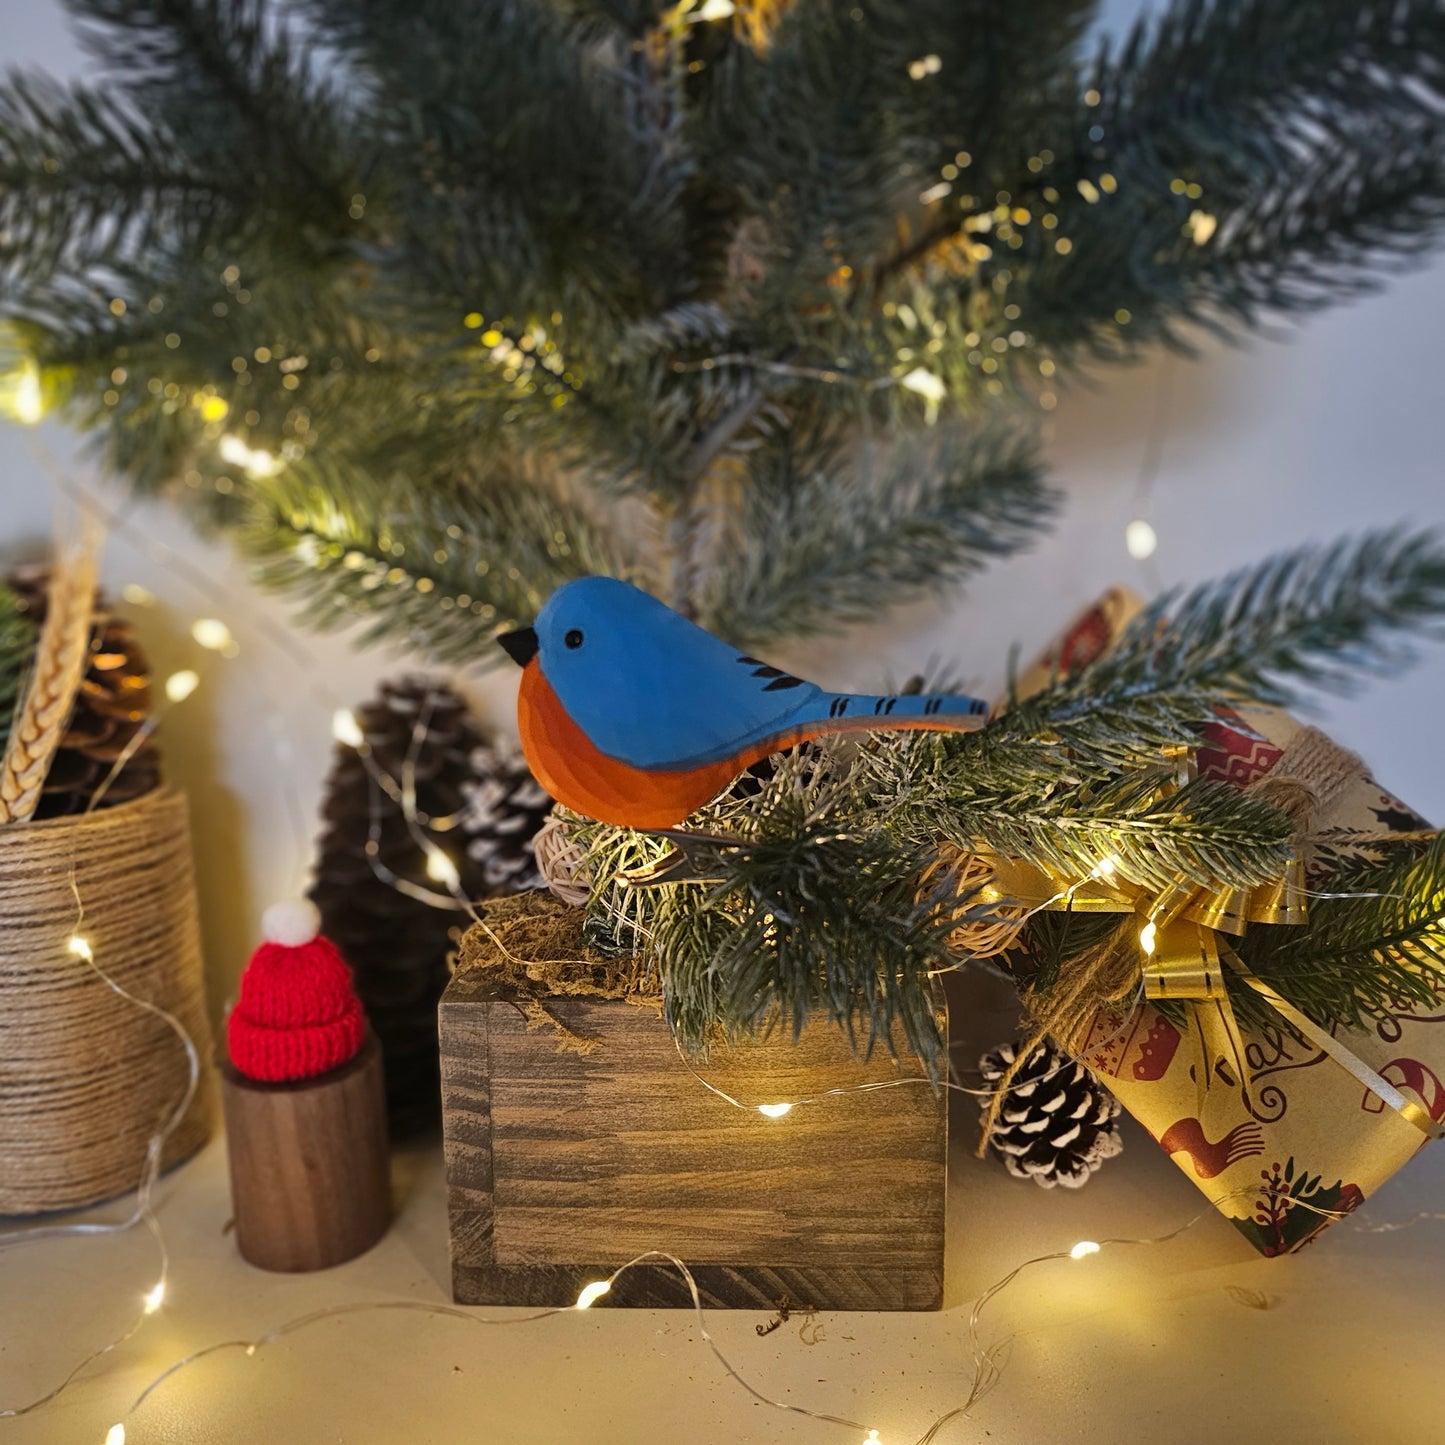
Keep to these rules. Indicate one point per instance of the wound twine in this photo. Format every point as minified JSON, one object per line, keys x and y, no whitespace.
{"x":562,"y":862}
{"x":86,"y":1078}
{"x":1307,"y":779}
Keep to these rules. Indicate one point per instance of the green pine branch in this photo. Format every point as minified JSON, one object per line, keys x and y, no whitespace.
{"x":1319,"y":617}
{"x":562,"y":194}
{"x":17,"y":644}
{"x":228,"y":84}
{"x":84,"y":182}
{"x":769,"y":938}
{"x":441,"y":575}
{"x":1236,"y":159}
{"x":1043,"y":777}
{"x":774,"y":943}
{"x":1374,"y":943}
{"x":824,"y":541}
{"x":1072,"y":779}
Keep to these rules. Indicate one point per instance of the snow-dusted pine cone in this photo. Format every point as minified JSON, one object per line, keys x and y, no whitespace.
{"x":505,"y":808}
{"x":1058,"y":1123}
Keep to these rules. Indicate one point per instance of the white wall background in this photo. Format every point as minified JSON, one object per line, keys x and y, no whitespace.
{"x":1341,"y":428}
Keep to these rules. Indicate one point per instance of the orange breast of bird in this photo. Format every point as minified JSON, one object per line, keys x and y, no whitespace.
{"x":583,"y":778}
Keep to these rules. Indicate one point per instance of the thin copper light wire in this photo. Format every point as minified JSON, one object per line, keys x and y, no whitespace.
{"x":987,"y":1364}
{"x":989,"y":1359}
{"x":144,"y":1211}
{"x":302,"y":1322}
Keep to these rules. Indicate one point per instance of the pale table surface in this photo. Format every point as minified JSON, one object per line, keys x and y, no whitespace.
{"x":1197,"y":1340}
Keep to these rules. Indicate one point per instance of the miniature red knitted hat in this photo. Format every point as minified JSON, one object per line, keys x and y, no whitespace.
{"x":297,"y":1015}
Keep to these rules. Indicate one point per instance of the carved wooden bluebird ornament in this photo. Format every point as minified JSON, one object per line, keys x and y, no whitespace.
{"x":633,"y":715}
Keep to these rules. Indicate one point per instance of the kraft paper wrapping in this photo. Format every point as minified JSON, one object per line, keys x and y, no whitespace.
{"x":1299,"y":1142}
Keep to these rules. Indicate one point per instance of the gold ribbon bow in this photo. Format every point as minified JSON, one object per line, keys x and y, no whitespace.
{"x":1183,"y":952}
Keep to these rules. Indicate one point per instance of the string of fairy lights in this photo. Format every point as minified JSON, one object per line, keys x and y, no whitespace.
{"x":987,"y":1357}
{"x":984,"y":228}
{"x":214,"y":635}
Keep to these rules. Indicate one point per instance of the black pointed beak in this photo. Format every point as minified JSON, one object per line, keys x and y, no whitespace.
{"x":521,"y":645}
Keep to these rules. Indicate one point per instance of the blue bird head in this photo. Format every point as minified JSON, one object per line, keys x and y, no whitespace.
{"x":595,"y":632}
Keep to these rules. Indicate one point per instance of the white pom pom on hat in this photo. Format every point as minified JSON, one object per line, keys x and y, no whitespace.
{"x":291,"y":923}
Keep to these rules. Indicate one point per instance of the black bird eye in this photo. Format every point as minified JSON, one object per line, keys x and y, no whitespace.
{"x":573,"y":639}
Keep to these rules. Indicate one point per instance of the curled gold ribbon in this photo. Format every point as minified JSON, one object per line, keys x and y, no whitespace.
{"x":1184,"y":952}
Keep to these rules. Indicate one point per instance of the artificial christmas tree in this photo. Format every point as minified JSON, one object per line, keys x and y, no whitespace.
{"x":422,"y":800}
{"x":780,"y":292}
{"x":431,"y":346}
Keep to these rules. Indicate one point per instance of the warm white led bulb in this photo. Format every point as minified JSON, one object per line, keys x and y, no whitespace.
{"x":345,"y":728}
{"x":593,"y":1292}
{"x":79,"y":947}
{"x":27,"y":401}
{"x":155,"y":1297}
{"x":211,"y":633}
{"x":925,"y":383}
{"x":262,"y":464}
{"x":1083,"y":1249}
{"x":255,"y":461}
{"x":716,"y":10}
{"x":115,"y":1435}
{"x":441,"y":869}
{"x":180,"y":685}
{"x":1140,"y":539}
{"x":234,"y":450}
{"x":774,"y":1111}
{"x":1148,"y":938}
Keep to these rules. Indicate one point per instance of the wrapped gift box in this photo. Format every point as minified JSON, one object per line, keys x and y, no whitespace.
{"x":1301,"y":1140}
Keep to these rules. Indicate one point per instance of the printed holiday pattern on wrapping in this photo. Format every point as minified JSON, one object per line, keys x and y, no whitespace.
{"x":1299,"y":1141}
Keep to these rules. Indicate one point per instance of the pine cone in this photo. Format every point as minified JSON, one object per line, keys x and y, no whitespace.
{"x":110,"y":709}
{"x":1058,"y":1123}
{"x":505,"y":810}
{"x":475,"y":809}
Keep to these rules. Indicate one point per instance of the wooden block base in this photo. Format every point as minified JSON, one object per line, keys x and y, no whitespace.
{"x":560,"y":1167}
{"x":310,"y":1170}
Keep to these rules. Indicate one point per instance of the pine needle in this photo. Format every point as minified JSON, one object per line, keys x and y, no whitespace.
{"x":1376,"y":949}
{"x":17,"y":642}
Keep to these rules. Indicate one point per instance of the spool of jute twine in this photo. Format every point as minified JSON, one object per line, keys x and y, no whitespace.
{"x":87,"y":1078}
